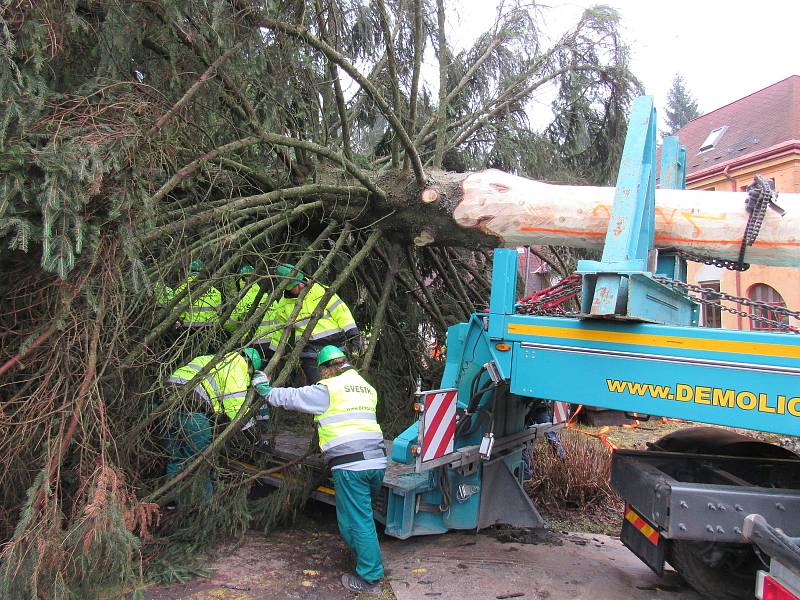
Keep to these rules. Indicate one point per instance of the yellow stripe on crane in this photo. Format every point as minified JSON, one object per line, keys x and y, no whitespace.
{"x":659,"y":341}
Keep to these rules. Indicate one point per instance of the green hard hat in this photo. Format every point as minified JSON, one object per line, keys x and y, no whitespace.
{"x":254,"y":356}
{"x":247,"y":270}
{"x":287,"y":270}
{"x":329,"y":353}
{"x":196,"y":265}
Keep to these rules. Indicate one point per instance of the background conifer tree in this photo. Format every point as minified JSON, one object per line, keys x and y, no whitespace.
{"x":681,"y":106}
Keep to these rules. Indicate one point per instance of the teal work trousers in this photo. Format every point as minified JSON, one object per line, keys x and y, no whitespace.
{"x":189,"y":435}
{"x":355,"y":491}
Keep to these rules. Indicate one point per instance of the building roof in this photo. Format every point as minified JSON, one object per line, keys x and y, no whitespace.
{"x":763,"y":119}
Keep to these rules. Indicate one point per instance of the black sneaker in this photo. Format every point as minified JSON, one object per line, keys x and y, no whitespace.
{"x":354,"y":583}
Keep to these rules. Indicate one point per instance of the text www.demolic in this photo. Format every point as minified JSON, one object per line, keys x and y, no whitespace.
{"x":780,"y":404}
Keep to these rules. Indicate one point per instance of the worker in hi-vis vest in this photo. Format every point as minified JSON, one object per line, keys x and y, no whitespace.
{"x":343,"y":405}
{"x":217,"y":396}
{"x":201,"y":310}
{"x":266,"y":336}
{"x":336,"y":326}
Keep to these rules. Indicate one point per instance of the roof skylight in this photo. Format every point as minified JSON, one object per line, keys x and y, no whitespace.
{"x":713,"y":138}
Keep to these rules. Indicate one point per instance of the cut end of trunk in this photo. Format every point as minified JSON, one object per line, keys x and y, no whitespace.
{"x":424,"y":238}
{"x":430,"y":195}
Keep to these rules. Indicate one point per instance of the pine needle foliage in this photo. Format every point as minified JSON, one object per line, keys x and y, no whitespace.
{"x":681,"y":105}
{"x":137,"y":136}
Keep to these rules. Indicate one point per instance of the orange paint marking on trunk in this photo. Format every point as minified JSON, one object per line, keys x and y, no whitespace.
{"x":661,"y":238}
{"x":564,"y":231}
{"x":668,"y":220}
{"x":602,"y":208}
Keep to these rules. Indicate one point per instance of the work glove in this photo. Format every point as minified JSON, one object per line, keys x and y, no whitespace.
{"x":260,"y":381}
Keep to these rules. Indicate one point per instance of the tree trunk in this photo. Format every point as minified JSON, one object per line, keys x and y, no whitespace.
{"x":493,"y":207}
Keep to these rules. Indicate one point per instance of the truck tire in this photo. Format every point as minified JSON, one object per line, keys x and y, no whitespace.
{"x":713,"y":440}
{"x":718,"y":571}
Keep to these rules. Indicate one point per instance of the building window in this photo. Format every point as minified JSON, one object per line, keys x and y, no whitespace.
{"x":713,"y":138}
{"x":761,"y":292}
{"x":712,"y":314}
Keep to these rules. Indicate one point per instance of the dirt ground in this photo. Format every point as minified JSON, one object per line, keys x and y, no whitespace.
{"x":459,"y":566}
{"x":305,"y":562}
{"x":636,"y":438}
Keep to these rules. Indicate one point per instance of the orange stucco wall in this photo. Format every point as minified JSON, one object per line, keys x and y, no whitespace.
{"x":786,"y":281}
{"x":784,"y":169}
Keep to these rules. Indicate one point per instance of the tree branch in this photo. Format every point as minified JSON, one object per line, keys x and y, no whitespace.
{"x":436,"y":117}
{"x":337,"y":87}
{"x":246,"y":202}
{"x":380,"y":313}
{"x":394,"y":83}
{"x":465,"y":305}
{"x":192,"y":91}
{"x":190,"y":168}
{"x":333,"y":55}
{"x":268,"y":138}
{"x":419,"y":50}
{"x":482,"y":117}
{"x":444,"y":67}
{"x":433,"y":308}
{"x":349,"y":166}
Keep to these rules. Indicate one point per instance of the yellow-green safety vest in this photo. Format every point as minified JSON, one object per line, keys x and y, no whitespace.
{"x":163,"y":294}
{"x":265,"y":332}
{"x":281,"y":311}
{"x":201,"y":311}
{"x":242,"y":309}
{"x":224,"y":387}
{"x":336,"y":318}
{"x":350,"y":417}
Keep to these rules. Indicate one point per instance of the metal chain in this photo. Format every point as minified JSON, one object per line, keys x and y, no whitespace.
{"x":755,"y":305}
{"x":760,"y":196}
{"x":722,"y":263}
{"x":546,"y":302}
{"x":542,"y":305}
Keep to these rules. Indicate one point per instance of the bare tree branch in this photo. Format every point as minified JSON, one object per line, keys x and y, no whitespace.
{"x":334,"y":56}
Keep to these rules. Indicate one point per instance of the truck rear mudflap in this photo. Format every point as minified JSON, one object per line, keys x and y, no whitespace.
{"x":642,"y":538}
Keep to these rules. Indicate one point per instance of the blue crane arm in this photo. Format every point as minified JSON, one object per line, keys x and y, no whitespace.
{"x":741,"y":379}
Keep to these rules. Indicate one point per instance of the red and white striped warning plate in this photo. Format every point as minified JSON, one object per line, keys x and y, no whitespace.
{"x":560,"y":412}
{"x":438,"y":425}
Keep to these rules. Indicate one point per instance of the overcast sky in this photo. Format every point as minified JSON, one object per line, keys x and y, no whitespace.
{"x":724,"y":49}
